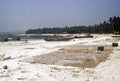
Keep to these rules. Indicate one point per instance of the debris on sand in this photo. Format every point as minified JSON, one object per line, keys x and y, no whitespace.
{"x":3,"y":57}
{"x":5,"y":67}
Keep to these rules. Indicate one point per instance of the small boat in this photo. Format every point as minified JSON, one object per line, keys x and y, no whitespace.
{"x":83,"y":36}
{"x":116,"y":36}
{"x":58,"y":38}
{"x":3,"y":39}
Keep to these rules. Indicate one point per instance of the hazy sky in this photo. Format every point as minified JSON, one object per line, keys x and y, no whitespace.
{"x":25,"y":14}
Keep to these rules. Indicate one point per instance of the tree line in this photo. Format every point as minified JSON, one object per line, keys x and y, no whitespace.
{"x":110,"y":26}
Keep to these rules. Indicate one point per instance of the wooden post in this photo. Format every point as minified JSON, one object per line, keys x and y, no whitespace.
{"x":115,"y":44}
{"x":101,"y":48}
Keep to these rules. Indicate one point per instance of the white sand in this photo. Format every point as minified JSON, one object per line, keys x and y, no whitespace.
{"x":21,"y":71}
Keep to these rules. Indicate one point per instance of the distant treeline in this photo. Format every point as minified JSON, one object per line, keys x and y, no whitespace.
{"x":110,"y":26}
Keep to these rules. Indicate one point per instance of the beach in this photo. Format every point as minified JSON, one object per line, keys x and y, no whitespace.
{"x":14,"y":54}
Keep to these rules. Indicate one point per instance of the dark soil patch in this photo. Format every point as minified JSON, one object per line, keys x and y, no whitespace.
{"x":81,"y":56}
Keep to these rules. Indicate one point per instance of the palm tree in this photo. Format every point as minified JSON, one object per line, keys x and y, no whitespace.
{"x":112,"y":23}
{"x":118,"y":23}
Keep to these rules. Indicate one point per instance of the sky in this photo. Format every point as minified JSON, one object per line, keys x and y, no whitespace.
{"x":20,"y":15}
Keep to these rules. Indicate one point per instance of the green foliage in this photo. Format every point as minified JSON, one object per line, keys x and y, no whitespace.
{"x":110,"y":26}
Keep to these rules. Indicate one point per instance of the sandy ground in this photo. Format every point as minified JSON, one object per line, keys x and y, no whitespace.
{"x":11,"y":54}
